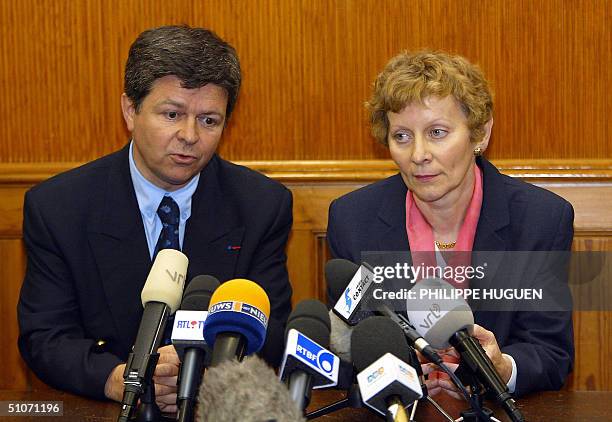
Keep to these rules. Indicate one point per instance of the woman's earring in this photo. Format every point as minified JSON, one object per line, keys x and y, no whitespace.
{"x":477,"y":152}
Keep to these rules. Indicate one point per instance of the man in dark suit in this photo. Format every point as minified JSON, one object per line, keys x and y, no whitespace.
{"x":91,"y":233}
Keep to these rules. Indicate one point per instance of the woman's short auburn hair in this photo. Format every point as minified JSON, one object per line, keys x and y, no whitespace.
{"x":410,"y":77}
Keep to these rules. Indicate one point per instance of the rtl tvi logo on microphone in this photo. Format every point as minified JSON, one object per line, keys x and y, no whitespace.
{"x":310,"y":352}
{"x":193,"y":324}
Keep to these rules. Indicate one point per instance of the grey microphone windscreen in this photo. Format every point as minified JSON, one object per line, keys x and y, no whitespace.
{"x":246,"y":391}
{"x":340,"y":338}
{"x":438,"y":312}
{"x":198,"y":293}
{"x":310,"y":318}
{"x":374,"y":337}
{"x":338,"y":274}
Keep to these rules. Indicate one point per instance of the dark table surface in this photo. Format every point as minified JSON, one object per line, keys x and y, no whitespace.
{"x":547,"y":406}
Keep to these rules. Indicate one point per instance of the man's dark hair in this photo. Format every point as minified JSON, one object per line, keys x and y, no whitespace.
{"x":196,"y":56}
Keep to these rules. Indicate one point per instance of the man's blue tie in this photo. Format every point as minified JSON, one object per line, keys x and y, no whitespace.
{"x":169,"y":214}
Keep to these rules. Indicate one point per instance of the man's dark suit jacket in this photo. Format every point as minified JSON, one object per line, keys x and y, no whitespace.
{"x":88,"y":260}
{"x":515,"y":216}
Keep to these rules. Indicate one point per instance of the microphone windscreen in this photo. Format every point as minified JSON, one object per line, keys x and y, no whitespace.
{"x":438,"y":312}
{"x":340,"y":337}
{"x":238,"y":306}
{"x":374,"y":337}
{"x":198,"y":293}
{"x":166,"y":279}
{"x":310,"y":318}
{"x":245,"y":391}
{"x":338,"y":274}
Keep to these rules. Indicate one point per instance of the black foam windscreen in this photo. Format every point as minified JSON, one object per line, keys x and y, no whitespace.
{"x":198,"y":293}
{"x":375,"y":336}
{"x":338,"y":274}
{"x":310,"y":317}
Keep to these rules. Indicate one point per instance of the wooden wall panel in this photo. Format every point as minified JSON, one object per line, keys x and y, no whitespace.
{"x":592,"y":328}
{"x":308,"y":67}
{"x":13,"y":373}
{"x":314,"y":185}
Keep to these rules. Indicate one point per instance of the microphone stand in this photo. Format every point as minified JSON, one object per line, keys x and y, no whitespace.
{"x":414,"y":361}
{"x":473,"y":414}
{"x":476,"y":397}
{"x":148,"y":411}
{"x":353,"y":397}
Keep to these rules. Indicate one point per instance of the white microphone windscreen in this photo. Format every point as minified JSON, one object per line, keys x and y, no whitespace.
{"x":438,"y":311}
{"x":166,"y":279}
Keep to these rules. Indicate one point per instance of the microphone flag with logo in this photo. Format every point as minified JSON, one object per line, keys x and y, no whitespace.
{"x":237,"y":320}
{"x":307,"y":363}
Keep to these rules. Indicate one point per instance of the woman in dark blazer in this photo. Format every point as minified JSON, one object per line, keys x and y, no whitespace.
{"x":435,"y":113}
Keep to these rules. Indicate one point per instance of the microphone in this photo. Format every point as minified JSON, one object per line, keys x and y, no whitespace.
{"x":160,"y":296}
{"x":350,"y":284}
{"x":445,"y":319}
{"x":237,"y":320}
{"x":307,"y":364}
{"x":386,"y":381}
{"x":340,"y":337}
{"x":339,"y":273}
{"x":245,"y":391}
{"x":188,"y":340}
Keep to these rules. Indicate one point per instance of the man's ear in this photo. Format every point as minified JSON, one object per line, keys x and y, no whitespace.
{"x":129,"y":111}
{"x":484,"y":143}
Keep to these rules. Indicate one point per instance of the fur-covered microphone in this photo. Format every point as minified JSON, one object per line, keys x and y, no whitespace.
{"x":246,"y":391}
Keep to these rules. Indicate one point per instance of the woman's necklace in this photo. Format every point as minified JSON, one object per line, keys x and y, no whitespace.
{"x":445,"y":245}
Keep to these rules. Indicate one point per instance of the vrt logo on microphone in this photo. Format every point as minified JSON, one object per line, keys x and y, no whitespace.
{"x":432,"y":316}
{"x":312,"y":353}
{"x":177,"y":277}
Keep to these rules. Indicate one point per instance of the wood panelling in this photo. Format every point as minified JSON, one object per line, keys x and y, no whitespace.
{"x":308,"y":67}
{"x":592,"y":328}
{"x":587,"y":185}
{"x":13,"y":372}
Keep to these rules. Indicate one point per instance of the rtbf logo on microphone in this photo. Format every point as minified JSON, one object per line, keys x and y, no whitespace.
{"x":241,"y":307}
{"x":307,"y":352}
